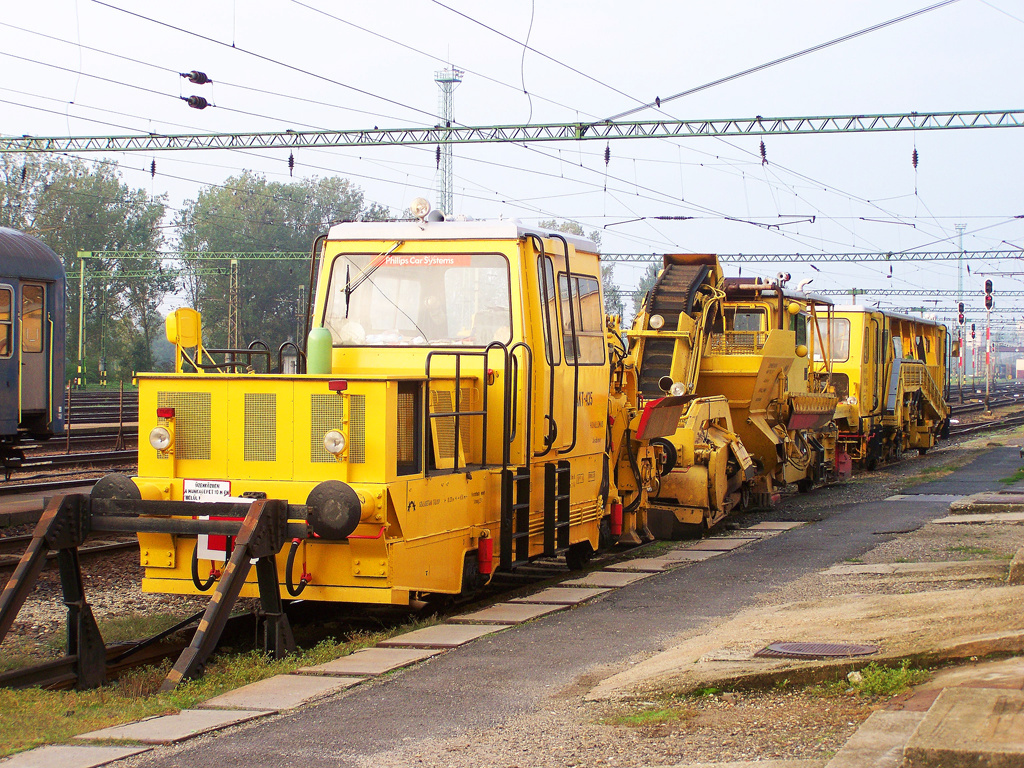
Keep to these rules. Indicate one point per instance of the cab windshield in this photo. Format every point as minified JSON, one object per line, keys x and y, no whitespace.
{"x":419,"y":299}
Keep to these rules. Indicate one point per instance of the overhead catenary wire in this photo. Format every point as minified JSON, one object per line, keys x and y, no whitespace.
{"x":775,"y":62}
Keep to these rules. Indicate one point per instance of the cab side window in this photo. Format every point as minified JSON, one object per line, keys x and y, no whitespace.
{"x":6,"y":321}
{"x":798,"y":323}
{"x":587,"y":316}
{"x":549,"y":310}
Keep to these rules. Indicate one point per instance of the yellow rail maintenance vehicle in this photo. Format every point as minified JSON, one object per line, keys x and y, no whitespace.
{"x":889,"y":373}
{"x":767,"y":355}
{"x":464,"y":401}
{"x":706,"y":471}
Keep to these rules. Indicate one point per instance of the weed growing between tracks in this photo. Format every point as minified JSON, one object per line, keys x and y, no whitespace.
{"x":1016,"y":477}
{"x":21,"y":652}
{"x":33,"y":717}
{"x":874,"y":681}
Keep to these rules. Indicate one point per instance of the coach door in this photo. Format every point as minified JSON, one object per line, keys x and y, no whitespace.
{"x":34,"y":352}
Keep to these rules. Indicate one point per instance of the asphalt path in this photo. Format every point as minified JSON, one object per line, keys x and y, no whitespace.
{"x":487,"y":683}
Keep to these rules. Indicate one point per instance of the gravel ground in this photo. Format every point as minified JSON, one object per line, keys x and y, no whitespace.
{"x":723,"y":727}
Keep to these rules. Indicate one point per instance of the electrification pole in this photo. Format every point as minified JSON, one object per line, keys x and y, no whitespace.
{"x":960,"y":348}
{"x":447,"y":80}
{"x":960,"y":298}
{"x":233,"y":305}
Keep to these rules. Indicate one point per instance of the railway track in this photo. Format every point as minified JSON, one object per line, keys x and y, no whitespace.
{"x":12,"y":548}
{"x":1010,"y":420}
{"x":305,"y":617}
{"x":103,"y":407}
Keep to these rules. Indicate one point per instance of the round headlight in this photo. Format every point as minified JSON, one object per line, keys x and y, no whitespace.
{"x":160,"y":438}
{"x":334,"y":442}
{"x":678,"y":389}
{"x":657,"y":322}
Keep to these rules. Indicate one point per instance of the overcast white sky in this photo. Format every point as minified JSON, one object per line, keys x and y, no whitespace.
{"x":966,"y":56}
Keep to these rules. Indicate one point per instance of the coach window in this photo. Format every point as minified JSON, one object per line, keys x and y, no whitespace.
{"x":6,"y":321}
{"x":32,"y":318}
{"x":588,"y":317}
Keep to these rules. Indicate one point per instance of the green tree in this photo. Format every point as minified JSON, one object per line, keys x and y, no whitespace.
{"x":76,"y":206}
{"x":614,"y":300}
{"x":249,"y":213}
{"x":647,"y":281}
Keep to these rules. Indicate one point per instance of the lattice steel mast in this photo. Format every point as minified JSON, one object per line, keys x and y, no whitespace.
{"x":447,"y":80}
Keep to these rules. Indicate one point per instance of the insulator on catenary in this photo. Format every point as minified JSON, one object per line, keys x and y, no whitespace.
{"x":657,"y":102}
{"x":291,"y":163}
{"x":152,"y":169}
{"x":764,"y":154}
{"x":607,"y":154}
{"x":913,"y":157}
{"x":437,"y":157}
{"x":24,"y":172}
{"x":196,"y":77}
{"x":196,"y":102}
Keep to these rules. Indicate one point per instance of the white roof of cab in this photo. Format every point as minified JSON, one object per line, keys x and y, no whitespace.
{"x":495,"y":229}
{"x":887,"y":313}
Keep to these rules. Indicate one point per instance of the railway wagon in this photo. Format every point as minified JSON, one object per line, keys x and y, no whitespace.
{"x":888,"y":372}
{"x":461,"y":403}
{"x":31,"y":342}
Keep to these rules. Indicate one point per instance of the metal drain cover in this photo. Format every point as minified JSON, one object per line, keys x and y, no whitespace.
{"x":816,"y":650}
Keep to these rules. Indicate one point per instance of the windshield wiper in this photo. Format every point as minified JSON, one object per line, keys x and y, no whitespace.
{"x":378,"y":261}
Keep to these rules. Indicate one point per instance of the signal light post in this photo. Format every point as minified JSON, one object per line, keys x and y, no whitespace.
{"x":989,"y":303}
{"x":960,"y":348}
{"x":974,"y":357}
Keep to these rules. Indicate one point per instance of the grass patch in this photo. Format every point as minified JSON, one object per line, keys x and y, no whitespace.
{"x":965,"y":549}
{"x":33,"y":717}
{"x":874,"y":681}
{"x":654,"y":549}
{"x":1016,"y":477}
{"x":653,"y":716}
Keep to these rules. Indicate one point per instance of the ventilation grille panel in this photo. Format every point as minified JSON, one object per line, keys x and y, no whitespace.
{"x":191,"y":424}
{"x":357,"y":430}
{"x":260,"y":427}
{"x":327,"y":412}
{"x":406,"y":427}
{"x":444,"y":427}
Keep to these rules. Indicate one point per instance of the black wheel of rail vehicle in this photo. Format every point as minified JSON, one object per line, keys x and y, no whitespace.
{"x":577,"y":556}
